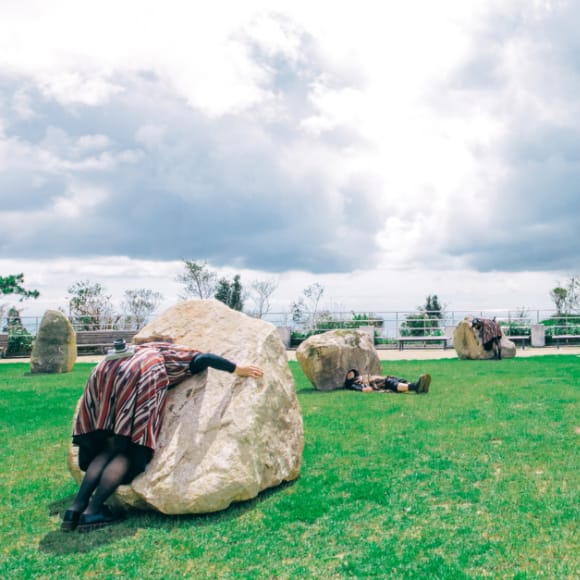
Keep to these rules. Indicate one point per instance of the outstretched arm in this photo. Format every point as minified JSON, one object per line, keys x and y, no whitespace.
{"x":202,"y":361}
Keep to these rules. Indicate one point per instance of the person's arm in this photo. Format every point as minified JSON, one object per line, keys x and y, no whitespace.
{"x":357,"y":385}
{"x":202,"y":361}
{"x":353,"y":386}
{"x":364,"y":381}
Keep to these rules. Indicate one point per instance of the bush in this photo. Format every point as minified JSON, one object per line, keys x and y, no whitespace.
{"x":19,"y":342}
{"x":326,"y":322}
{"x":561,"y":324}
{"x":421,"y":325}
{"x":515,"y":329}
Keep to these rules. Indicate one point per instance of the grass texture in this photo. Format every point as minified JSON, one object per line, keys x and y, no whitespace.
{"x":480,"y":478}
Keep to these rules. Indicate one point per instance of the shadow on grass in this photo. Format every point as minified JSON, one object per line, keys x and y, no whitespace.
{"x":234,"y":511}
{"x":60,"y":506}
{"x":313,"y":391}
{"x":62,"y":543}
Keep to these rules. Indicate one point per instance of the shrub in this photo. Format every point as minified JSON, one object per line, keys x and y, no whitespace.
{"x":515,"y":329}
{"x":420,"y":325}
{"x":19,"y":342}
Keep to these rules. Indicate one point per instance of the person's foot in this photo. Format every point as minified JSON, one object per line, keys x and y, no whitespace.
{"x":70,"y":520}
{"x":90,"y":522}
{"x":423,"y":384}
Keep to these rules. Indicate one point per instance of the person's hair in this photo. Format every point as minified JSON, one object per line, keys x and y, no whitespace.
{"x":349,"y":382}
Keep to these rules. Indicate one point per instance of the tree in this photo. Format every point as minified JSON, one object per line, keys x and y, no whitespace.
{"x":426,"y":321}
{"x":13,"y":284}
{"x":559,"y":296}
{"x":567,"y":299}
{"x":237,"y":300}
{"x":19,"y":339}
{"x":138,"y":306}
{"x":198,"y":279}
{"x":305,"y":309}
{"x":260,"y":294}
{"x":432,"y":307}
{"x":90,"y":307}
{"x":573,"y":298}
{"x":13,"y":320}
{"x":230,"y":293}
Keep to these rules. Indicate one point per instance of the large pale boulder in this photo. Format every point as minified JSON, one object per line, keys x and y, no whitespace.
{"x":223,"y":438}
{"x":468,"y":344}
{"x":326,"y":358}
{"x":54,"y":349}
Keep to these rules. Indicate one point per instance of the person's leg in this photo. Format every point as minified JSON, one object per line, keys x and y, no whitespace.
{"x":396,"y":385}
{"x":93,"y":471}
{"x":112,"y":475}
{"x":422,"y":385}
{"x":111,"y":478}
{"x":91,"y":479}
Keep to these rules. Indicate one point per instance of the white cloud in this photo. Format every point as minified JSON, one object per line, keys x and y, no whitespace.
{"x":77,"y":200}
{"x":399,"y":135}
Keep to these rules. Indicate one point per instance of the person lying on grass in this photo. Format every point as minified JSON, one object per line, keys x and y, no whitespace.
{"x":119,"y":419}
{"x":385,"y":384}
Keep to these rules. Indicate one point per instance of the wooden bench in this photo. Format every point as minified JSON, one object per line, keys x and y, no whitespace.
{"x":3,"y":344}
{"x":557,"y":338}
{"x":524,"y":338}
{"x":101,"y":340}
{"x":423,"y":339}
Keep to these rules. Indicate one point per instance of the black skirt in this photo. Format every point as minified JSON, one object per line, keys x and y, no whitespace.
{"x":92,"y":444}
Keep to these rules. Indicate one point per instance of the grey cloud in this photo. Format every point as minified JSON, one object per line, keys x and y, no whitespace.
{"x":536,"y":208}
{"x":224,"y":189}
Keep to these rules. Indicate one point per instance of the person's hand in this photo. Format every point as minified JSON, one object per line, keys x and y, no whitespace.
{"x":248,"y":371}
{"x":367,"y":390}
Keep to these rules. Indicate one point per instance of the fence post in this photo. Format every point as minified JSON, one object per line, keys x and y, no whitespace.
{"x":538,"y":335}
{"x":284,"y":332}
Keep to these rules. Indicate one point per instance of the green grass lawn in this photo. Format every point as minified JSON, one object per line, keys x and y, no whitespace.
{"x":479,"y":478}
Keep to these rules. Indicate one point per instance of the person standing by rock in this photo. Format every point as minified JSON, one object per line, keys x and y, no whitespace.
{"x":119,"y":419}
{"x":385,"y":384}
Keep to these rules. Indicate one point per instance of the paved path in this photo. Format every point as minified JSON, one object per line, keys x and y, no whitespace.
{"x":385,"y":354}
{"x":438,"y":353}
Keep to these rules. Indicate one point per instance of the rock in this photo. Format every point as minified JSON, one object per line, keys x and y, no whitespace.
{"x":54,"y":349}
{"x":223,"y":438}
{"x":326,"y":358}
{"x":468,"y":345}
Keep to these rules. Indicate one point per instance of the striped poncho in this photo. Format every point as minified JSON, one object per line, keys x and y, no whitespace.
{"x":126,"y":396}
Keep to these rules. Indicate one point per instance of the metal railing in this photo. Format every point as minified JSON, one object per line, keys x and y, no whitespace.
{"x":392,"y":324}
{"x":386,"y":325}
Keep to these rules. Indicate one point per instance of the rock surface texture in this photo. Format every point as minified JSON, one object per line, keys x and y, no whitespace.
{"x":54,"y":349}
{"x":223,"y":438}
{"x":326,"y":358}
{"x":468,"y":345}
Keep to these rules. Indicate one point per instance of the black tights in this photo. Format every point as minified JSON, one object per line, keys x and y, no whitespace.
{"x":104,"y":474}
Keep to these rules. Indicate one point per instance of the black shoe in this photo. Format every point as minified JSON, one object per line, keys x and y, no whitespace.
{"x":423,"y":384}
{"x":70,"y":520}
{"x":90,"y":522}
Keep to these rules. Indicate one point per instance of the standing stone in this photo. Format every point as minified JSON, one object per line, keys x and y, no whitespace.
{"x":468,"y":345}
{"x":54,"y":349}
{"x":223,"y":438}
{"x":326,"y":358}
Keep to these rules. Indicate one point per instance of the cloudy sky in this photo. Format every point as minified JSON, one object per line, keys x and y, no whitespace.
{"x":387,"y":150}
